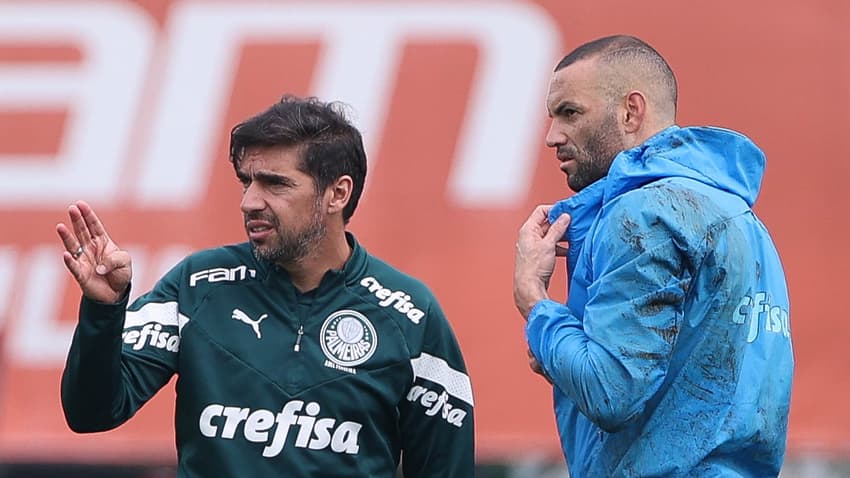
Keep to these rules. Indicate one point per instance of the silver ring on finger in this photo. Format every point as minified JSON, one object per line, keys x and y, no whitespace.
{"x":76,"y":254}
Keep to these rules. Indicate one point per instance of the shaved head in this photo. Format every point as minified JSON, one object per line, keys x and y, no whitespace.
{"x":626,"y":63}
{"x":605,"y":97}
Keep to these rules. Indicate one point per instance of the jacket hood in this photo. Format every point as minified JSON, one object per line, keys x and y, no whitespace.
{"x":721,"y":158}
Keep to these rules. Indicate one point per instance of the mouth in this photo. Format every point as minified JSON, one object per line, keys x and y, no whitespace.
{"x":258,"y":230}
{"x":565,"y":154}
{"x":566,"y":162}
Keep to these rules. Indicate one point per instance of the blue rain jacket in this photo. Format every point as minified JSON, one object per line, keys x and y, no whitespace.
{"x":672,"y":356}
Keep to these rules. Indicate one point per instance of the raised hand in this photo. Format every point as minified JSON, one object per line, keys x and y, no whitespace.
{"x":102,"y":269}
{"x":536,"y":249}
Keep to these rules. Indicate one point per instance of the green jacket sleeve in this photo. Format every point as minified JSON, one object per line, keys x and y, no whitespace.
{"x":437,"y":423}
{"x":120,"y":357}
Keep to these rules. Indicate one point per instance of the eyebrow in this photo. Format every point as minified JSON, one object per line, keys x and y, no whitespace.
{"x":563,"y":105}
{"x":266,"y":177}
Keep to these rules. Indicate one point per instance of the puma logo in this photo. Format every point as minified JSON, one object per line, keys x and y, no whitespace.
{"x":244,"y":318}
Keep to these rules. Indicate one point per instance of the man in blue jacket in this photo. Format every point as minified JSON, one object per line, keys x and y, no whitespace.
{"x":672,"y":355}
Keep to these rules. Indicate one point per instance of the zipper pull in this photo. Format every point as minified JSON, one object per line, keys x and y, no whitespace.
{"x":298,"y":339}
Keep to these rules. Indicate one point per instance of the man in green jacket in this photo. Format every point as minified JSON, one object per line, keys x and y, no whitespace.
{"x":297,"y":352}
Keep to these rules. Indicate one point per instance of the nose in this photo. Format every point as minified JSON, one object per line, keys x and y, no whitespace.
{"x":252,"y":199}
{"x":555,"y":136}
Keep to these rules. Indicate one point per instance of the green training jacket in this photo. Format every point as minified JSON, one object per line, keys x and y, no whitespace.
{"x":347,"y":380}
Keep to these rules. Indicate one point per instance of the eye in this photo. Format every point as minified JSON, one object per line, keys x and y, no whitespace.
{"x":566,"y":110}
{"x":278,"y":185}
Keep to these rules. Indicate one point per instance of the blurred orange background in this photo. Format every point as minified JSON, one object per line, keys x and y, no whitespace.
{"x":129,"y":105}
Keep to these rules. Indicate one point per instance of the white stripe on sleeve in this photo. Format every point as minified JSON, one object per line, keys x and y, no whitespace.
{"x":164,"y":313}
{"x":438,"y":371}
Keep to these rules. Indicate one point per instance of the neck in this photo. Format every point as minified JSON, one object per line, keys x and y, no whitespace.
{"x":330,"y":253}
{"x":644,"y":134}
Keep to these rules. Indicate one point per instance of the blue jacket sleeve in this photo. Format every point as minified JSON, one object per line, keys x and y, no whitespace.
{"x":614,"y":357}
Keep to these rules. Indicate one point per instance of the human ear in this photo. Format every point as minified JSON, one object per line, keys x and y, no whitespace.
{"x":338,"y":194}
{"x":635,"y":111}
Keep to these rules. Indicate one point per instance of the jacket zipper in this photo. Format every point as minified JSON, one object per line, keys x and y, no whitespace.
{"x":297,"y":347}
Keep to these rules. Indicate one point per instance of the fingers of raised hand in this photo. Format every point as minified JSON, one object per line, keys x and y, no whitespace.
{"x":72,"y":251}
{"x":540,"y":215}
{"x":69,"y":240}
{"x":542,"y":210}
{"x":118,"y":259}
{"x":81,"y":231}
{"x":559,"y":227}
{"x":74,"y":266}
{"x":555,"y":232}
{"x":536,"y":225}
{"x":93,"y":225}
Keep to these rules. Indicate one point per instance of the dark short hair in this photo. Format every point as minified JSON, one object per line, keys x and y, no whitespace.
{"x":330,"y":146}
{"x":615,"y":48}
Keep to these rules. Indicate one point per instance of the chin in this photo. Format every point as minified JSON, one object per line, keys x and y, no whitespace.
{"x":260,"y":252}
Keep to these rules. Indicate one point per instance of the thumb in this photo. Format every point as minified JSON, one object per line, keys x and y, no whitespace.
{"x":558,"y":228}
{"x":112,"y":262}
